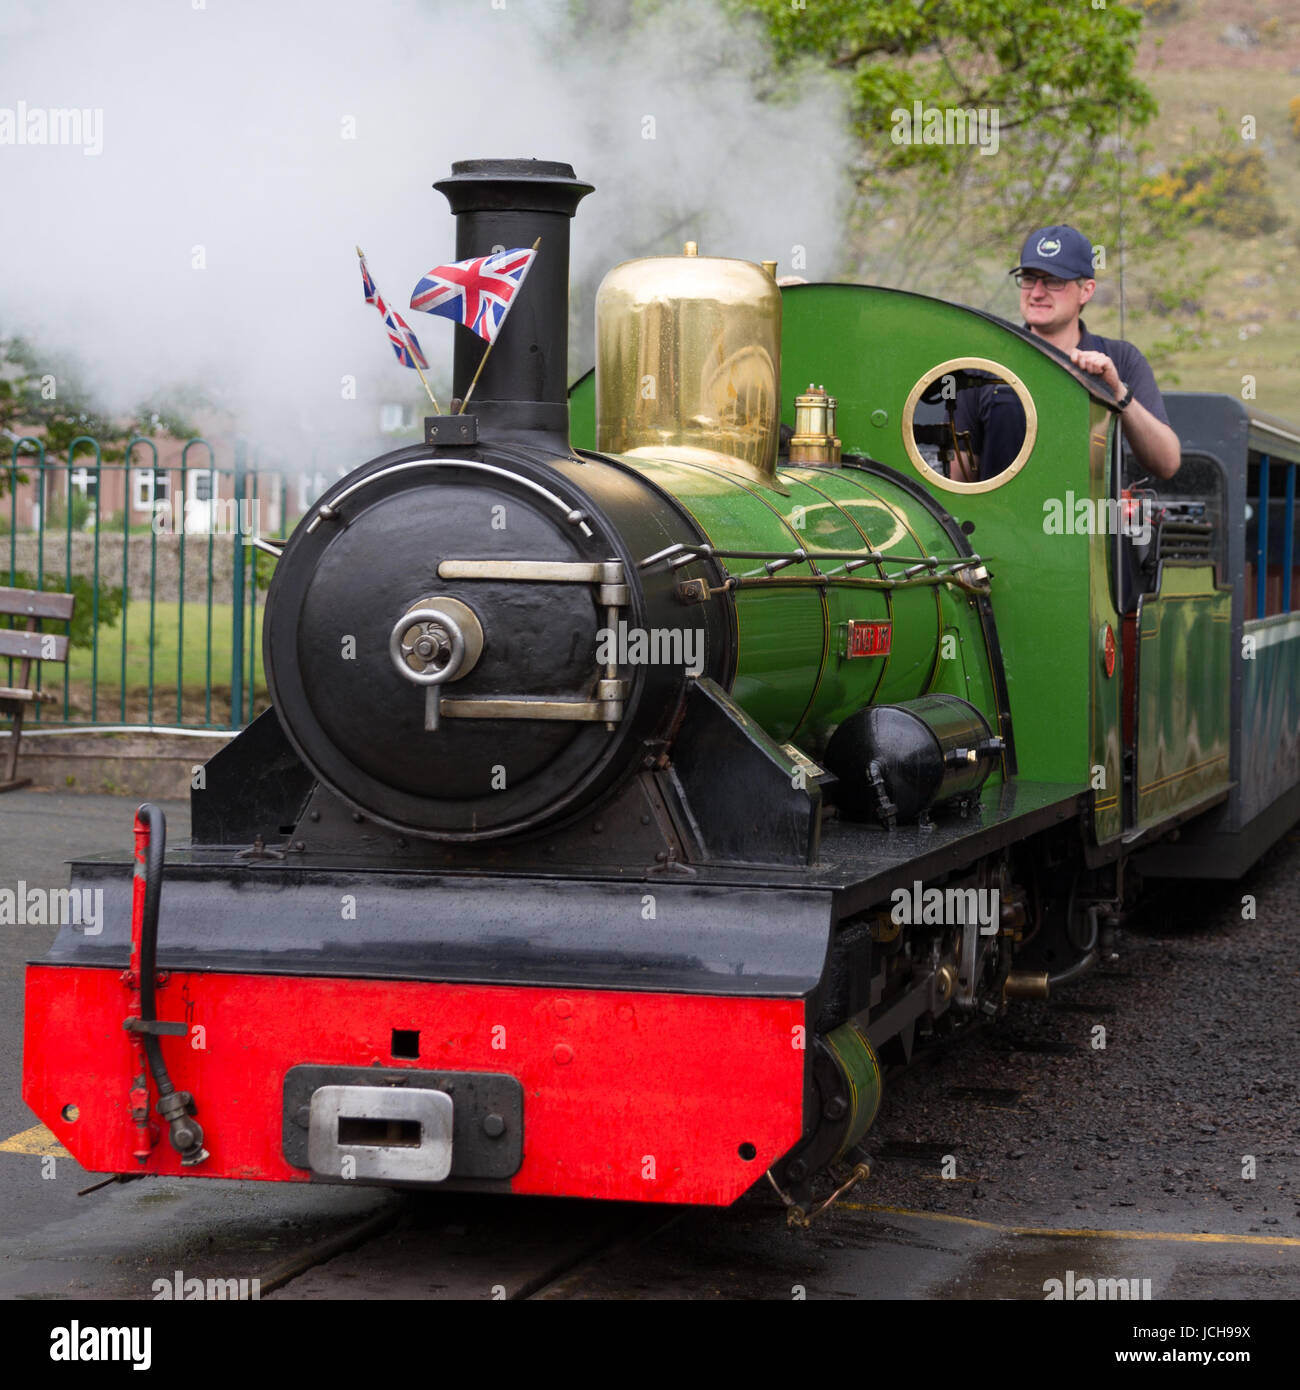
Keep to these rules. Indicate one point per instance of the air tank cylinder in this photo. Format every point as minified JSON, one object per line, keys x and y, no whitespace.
{"x":895,"y":762}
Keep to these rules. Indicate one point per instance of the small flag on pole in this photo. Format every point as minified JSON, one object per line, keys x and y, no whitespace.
{"x":478,"y":292}
{"x":405,"y":344}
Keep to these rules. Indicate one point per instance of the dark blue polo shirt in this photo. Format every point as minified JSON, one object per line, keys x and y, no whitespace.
{"x":1133,"y":368}
{"x":996,"y":420}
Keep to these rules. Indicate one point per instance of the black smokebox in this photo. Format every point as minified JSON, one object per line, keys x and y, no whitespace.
{"x":501,"y":204}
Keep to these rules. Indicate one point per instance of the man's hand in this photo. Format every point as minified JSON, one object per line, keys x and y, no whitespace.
{"x":1098,"y":364}
{"x":1154,"y":443}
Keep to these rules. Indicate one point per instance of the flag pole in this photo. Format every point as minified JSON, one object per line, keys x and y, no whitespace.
{"x":437,"y":409}
{"x":482,"y":362}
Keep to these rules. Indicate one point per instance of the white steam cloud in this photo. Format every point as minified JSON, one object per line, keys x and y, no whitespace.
{"x":263,"y":139}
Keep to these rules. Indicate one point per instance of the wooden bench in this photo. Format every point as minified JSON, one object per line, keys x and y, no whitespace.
{"x":30,"y":645}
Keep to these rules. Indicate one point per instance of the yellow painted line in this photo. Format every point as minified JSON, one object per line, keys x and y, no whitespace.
{"x":37,"y":1140}
{"x":1195,"y":1238}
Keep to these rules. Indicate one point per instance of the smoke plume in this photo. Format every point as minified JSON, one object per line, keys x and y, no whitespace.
{"x":249,"y":145}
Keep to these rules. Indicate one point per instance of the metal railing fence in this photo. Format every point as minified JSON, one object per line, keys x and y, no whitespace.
{"x":169,"y":586}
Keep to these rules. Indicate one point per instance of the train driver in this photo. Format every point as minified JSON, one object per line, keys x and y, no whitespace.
{"x":1056,"y":280}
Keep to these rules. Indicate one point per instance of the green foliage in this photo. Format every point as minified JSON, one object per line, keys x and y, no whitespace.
{"x":1226,"y":188}
{"x":37,"y":397}
{"x":6,"y":477}
{"x":1172,"y":305}
{"x":264,"y":569}
{"x":1059,"y":71}
{"x":82,"y":629}
{"x":40,"y":395}
{"x":82,"y":509}
{"x":947,"y":218}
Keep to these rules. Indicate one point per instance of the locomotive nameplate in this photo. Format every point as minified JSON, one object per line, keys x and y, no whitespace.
{"x":867,"y":639}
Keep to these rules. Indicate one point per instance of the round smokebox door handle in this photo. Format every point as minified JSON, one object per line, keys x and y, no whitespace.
{"x":430,"y":678}
{"x":431,"y":675}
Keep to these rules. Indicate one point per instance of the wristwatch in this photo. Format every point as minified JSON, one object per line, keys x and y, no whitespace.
{"x":1124,"y":404}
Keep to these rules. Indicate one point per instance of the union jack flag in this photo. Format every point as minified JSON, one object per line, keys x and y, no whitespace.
{"x":478,"y":292}
{"x":405,"y":344}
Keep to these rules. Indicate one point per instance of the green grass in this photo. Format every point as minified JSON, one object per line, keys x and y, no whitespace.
{"x":165,"y":647}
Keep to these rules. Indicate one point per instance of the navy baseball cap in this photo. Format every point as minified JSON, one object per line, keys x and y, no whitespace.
{"x":1059,"y":251}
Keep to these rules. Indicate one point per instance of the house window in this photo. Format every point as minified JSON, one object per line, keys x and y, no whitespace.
{"x":148,"y":486}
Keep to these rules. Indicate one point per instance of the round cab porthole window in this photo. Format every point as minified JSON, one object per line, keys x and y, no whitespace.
{"x":969,"y":424}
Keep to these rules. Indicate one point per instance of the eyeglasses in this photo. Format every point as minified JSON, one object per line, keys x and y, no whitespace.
{"x":1027,"y":280}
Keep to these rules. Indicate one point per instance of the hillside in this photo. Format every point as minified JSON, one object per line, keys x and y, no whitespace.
{"x":1199,"y":61}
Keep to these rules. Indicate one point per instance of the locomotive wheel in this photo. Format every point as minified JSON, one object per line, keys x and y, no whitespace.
{"x":1064,"y":933}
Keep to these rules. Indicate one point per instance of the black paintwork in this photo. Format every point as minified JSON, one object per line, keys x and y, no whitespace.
{"x":753,"y":813}
{"x":663,"y":933}
{"x":679,"y":813}
{"x":510,"y":203}
{"x":254,"y":786}
{"x":895,"y":762}
{"x":715,"y":929}
{"x":359,"y":725}
{"x":628,"y":832}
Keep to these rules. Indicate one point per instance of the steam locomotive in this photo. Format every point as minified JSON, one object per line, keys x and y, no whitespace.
{"x":645,"y":776}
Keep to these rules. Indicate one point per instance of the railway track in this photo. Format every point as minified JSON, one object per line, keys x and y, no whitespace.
{"x":445,"y":1247}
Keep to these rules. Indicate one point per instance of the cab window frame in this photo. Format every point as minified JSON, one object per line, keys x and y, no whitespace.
{"x":1007,"y":377}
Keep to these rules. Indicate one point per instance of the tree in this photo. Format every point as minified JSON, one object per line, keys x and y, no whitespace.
{"x":1060,"y":70}
{"x":1056,"y":83}
{"x":39,"y":396}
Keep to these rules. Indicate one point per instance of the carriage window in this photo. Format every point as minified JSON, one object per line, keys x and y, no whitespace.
{"x":969,"y":424}
{"x":1272,"y":568}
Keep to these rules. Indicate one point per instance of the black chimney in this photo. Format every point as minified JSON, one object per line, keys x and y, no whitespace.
{"x":500,"y":204}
